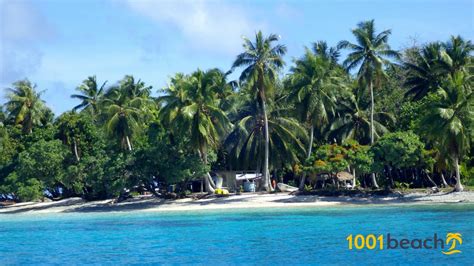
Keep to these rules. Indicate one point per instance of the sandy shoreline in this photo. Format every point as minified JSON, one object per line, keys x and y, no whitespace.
{"x":279,"y":200}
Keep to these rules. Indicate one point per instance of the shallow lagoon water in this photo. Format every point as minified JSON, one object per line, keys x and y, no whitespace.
{"x":297,"y":236}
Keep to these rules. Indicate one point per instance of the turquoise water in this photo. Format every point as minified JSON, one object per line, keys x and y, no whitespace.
{"x":257,"y":236}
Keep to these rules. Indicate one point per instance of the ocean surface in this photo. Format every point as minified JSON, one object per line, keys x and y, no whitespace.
{"x":302,"y":236}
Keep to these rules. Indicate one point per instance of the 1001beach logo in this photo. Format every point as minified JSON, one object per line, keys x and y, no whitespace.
{"x":388,"y":241}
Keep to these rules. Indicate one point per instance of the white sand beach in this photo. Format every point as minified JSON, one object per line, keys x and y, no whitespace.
{"x":254,"y":200}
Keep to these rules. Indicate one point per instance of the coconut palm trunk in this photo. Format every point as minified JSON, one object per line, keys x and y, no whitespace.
{"x":266,"y":174}
{"x":459,"y":187}
{"x":353,"y":177}
{"x":207,"y":178}
{"x":76,"y":153}
{"x":431,"y":180}
{"x":129,"y":145}
{"x":29,"y":125}
{"x":207,"y":182}
{"x":311,"y":139}
{"x":445,"y":184}
{"x":371,"y":89}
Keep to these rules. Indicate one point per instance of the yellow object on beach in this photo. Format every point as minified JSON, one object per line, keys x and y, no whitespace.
{"x":221,"y":191}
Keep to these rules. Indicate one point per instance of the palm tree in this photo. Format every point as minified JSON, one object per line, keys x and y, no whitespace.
{"x":122,"y":118}
{"x":132,"y":89}
{"x":226,"y":92}
{"x":424,"y":75}
{"x":66,"y":126}
{"x":90,"y":95}
{"x":314,"y":79}
{"x":191,"y":107}
{"x":247,"y":140}
{"x":371,"y":53}
{"x":449,"y":120}
{"x":124,"y":107}
{"x":76,"y":131}
{"x":24,"y":105}
{"x":435,"y":62}
{"x":459,"y":52}
{"x":261,"y":61}
{"x":330,"y":54}
{"x":352,"y":121}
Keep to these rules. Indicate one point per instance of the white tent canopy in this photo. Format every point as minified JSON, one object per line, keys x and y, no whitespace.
{"x":247,"y":176}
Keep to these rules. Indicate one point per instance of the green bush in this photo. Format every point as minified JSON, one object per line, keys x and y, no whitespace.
{"x":467,"y":174}
{"x":134,"y":194}
{"x":45,"y":160}
{"x":30,"y":191}
{"x":402,"y":186}
{"x":399,"y":150}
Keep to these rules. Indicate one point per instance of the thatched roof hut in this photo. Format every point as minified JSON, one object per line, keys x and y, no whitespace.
{"x":344,"y":176}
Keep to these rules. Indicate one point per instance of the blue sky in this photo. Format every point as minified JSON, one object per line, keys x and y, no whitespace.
{"x":58,"y":43}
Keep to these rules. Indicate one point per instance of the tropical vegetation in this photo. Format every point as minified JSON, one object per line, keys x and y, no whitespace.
{"x":385,"y":117}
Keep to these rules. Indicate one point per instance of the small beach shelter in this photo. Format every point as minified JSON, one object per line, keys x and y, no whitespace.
{"x":344,"y":176}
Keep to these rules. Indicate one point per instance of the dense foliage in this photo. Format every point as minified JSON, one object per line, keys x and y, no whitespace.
{"x":387,"y":117}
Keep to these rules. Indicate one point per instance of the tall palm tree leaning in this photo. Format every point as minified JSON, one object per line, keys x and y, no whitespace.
{"x":261,"y":59}
{"x":124,"y":107}
{"x":247,"y":140}
{"x":314,"y":80}
{"x":450,"y":120}
{"x":90,"y":95}
{"x":191,"y":107}
{"x":24,"y":105}
{"x":370,"y":53}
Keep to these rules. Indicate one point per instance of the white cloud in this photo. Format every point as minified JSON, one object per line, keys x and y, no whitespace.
{"x":16,"y":63}
{"x":21,"y":21}
{"x":210,"y":25}
{"x":22,"y":27}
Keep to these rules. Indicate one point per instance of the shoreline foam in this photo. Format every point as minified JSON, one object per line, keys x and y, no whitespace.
{"x":277,"y":200}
